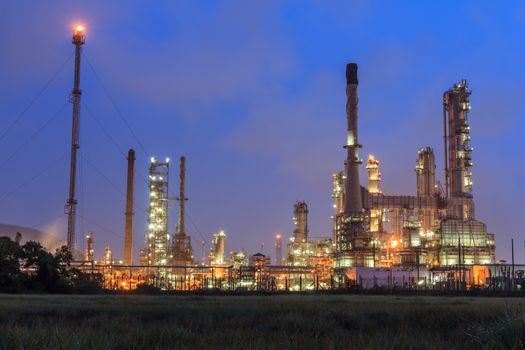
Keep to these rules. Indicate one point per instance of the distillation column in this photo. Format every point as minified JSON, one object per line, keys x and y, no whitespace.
{"x":128,"y":229}
{"x":301,"y":222}
{"x":182,"y":250}
{"x":278,"y":249}
{"x":426,"y":186}
{"x":157,"y":236}
{"x":71,"y":204}
{"x":89,"y":252}
{"x":458,"y":177}
{"x":374,"y":187}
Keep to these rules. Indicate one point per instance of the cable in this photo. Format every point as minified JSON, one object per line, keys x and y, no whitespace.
{"x":135,"y":206}
{"x":196,"y":229}
{"x":32,"y":178}
{"x":34,"y":99}
{"x":35,"y":134}
{"x":108,"y":135}
{"x":119,"y":113}
{"x":102,"y":227}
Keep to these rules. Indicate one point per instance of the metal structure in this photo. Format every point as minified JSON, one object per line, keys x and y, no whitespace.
{"x":427,"y":187}
{"x":71,"y":204}
{"x":352,"y":236}
{"x":128,"y":228}
{"x":300,"y":218}
{"x":430,"y":229}
{"x":456,"y":106}
{"x":89,"y":252}
{"x":217,"y":248}
{"x":182,"y":249}
{"x":157,"y":236}
{"x":278,"y":249}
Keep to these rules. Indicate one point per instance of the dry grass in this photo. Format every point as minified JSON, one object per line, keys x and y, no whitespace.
{"x":260,"y":322}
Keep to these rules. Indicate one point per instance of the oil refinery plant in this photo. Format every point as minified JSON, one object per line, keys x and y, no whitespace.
{"x":430,"y":240}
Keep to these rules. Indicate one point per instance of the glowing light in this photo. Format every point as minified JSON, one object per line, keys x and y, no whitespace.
{"x":79,"y":30}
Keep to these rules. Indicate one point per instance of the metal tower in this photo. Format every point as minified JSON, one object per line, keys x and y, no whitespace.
{"x":182,"y":250}
{"x":157,"y":236}
{"x":278,"y":249}
{"x":71,"y":205}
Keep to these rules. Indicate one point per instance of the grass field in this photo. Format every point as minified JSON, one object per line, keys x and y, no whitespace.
{"x":260,"y":322}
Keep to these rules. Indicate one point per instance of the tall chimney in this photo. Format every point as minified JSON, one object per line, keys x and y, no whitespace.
{"x":128,"y":234}
{"x":182,"y":198}
{"x":353,"y":203}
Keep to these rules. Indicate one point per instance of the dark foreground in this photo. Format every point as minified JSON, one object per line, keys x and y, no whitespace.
{"x":260,"y":322}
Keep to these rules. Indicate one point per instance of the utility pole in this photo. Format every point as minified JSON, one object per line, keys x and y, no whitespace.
{"x":71,"y":205}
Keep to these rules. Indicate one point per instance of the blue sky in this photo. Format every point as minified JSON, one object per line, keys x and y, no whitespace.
{"x":253,"y":93}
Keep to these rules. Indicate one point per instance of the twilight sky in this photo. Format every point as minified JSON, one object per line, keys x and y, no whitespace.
{"x":253,"y":93}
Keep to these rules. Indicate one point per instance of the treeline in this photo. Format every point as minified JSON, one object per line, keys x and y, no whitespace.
{"x":32,"y":268}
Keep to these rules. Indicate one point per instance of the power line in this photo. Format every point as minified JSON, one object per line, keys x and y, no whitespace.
{"x":101,"y":173}
{"x":119,"y":113}
{"x":17,"y":119}
{"x":196,"y":228}
{"x":35,"y":134}
{"x":108,"y":135}
{"x":32,"y":178}
{"x":101,"y":227}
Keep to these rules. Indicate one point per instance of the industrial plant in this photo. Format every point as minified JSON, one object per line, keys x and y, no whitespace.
{"x":431,"y":240}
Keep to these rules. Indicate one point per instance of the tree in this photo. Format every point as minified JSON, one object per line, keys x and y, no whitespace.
{"x":40,"y":266}
{"x":10,"y":275}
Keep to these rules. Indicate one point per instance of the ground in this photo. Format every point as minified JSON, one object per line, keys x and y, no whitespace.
{"x":260,"y":322}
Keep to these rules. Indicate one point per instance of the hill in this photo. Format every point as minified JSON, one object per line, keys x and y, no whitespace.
{"x":30,"y":234}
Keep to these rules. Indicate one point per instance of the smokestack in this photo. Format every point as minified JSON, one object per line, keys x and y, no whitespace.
{"x":353,"y":203}
{"x":182,"y":198}
{"x":128,"y":230}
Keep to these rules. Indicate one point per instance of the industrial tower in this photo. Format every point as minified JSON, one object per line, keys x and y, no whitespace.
{"x":71,"y":204}
{"x":128,"y":228}
{"x":351,"y":224}
{"x":157,"y":236}
{"x":278,"y":249}
{"x":182,"y":250}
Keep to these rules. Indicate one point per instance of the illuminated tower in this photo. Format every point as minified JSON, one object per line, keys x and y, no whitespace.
{"x":458,"y":177}
{"x":108,"y":256}
{"x":71,"y":204}
{"x":89,"y":252}
{"x":374,"y":187}
{"x":182,"y":250}
{"x":278,"y":249}
{"x":352,"y":236}
{"x":426,"y":186}
{"x":157,"y":236}
{"x":217,"y":248}
{"x":301,"y":222}
{"x":338,"y":182}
